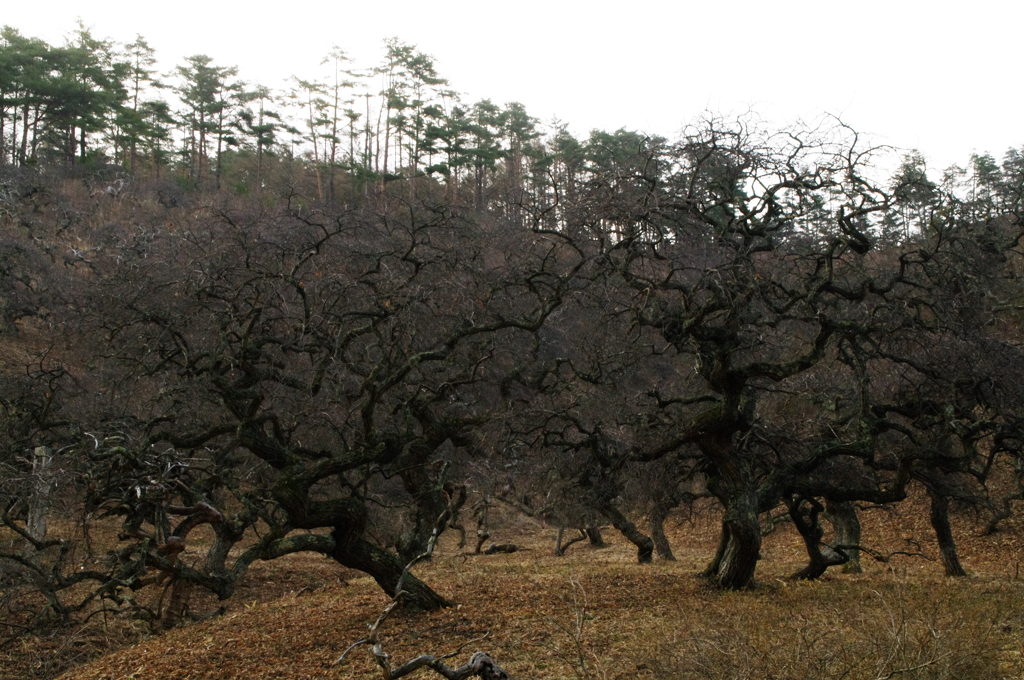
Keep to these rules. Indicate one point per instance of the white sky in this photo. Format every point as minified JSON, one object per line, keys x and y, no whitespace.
{"x":941,"y":77}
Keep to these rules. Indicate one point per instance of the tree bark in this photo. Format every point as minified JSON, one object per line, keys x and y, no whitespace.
{"x":39,"y":503}
{"x":732,"y":484}
{"x":347,"y":517}
{"x":821,"y":556}
{"x":386,"y":569}
{"x":739,"y":547}
{"x":711,"y":570}
{"x":944,"y":533}
{"x":656,"y":521}
{"x":843,"y":516}
{"x":742,"y":550}
{"x":482,"y":514}
{"x":594,"y":535}
{"x":480,"y":665}
{"x":226,"y":535}
{"x":644,"y":544}
{"x":432,"y":510}
{"x":560,"y":548}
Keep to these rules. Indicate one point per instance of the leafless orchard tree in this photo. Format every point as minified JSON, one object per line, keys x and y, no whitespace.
{"x":285,"y":368}
{"x":304,"y":359}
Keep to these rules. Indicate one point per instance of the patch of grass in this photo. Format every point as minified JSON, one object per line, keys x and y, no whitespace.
{"x":920,"y":629}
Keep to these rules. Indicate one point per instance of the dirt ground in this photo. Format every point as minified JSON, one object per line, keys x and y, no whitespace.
{"x":595,"y":613}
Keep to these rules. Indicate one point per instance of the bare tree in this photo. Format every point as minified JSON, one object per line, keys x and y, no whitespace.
{"x":296,"y":362}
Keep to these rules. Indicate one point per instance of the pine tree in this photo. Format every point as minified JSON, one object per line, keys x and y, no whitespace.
{"x":206,"y":92}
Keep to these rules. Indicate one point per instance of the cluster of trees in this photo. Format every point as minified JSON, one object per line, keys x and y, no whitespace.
{"x":413,"y":314}
{"x":59,"y":104}
{"x":103,"y":101}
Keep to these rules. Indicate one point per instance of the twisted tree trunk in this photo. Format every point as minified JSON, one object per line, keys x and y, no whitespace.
{"x":732,"y":484}
{"x":560,"y":547}
{"x":821,"y":556}
{"x":656,"y":521}
{"x":386,"y":569}
{"x":431,"y":502}
{"x":742,"y":549}
{"x":42,"y":486}
{"x":843,"y":516}
{"x":644,"y":544}
{"x":739,"y":546}
{"x":944,"y":533}
{"x":347,"y":518}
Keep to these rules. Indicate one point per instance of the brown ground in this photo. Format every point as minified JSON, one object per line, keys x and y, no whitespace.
{"x":597,"y":614}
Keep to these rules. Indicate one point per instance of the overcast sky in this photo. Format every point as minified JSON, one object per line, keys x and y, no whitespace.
{"x":940,"y":77}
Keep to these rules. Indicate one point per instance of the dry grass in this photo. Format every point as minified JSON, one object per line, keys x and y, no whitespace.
{"x":882,"y":629}
{"x":596,"y":614}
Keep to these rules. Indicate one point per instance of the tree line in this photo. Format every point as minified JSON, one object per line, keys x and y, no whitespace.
{"x":101,"y":101}
{"x":594,"y":332}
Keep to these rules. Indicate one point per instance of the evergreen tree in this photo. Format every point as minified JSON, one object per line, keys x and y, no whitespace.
{"x":205,"y":90}
{"x":1011,"y":188}
{"x":413,"y":95}
{"x":913,"y":195}
{"x":86,"y":92}
{"x":486,"y":130}
{"x":24,"y":80}
{"x":258,"y":125}
{"x":133,"y":126}
{"x":339,"y":109}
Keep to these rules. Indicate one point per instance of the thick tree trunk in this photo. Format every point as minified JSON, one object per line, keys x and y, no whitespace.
{"x":742,"y":551}
{"x":386,"y":569}
{"x":226,"y":535}
{"x":735,"y":488}
{"x":594,"y":535}
{"x":944,"y":533}
{"x":39,"y":502}
{"x":432,"y":511}
{"x":657,"y":518}
{"x":843,"y":516}
{"x":821,"y":556}
{"x":739,"y":547}
{"x":348,"y":518}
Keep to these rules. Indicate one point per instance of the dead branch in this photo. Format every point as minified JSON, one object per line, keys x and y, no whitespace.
{"x":560,"y":547}
{"x":503,"y":548}
{"x":885,"y":558}
{"x":480,"y":665}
